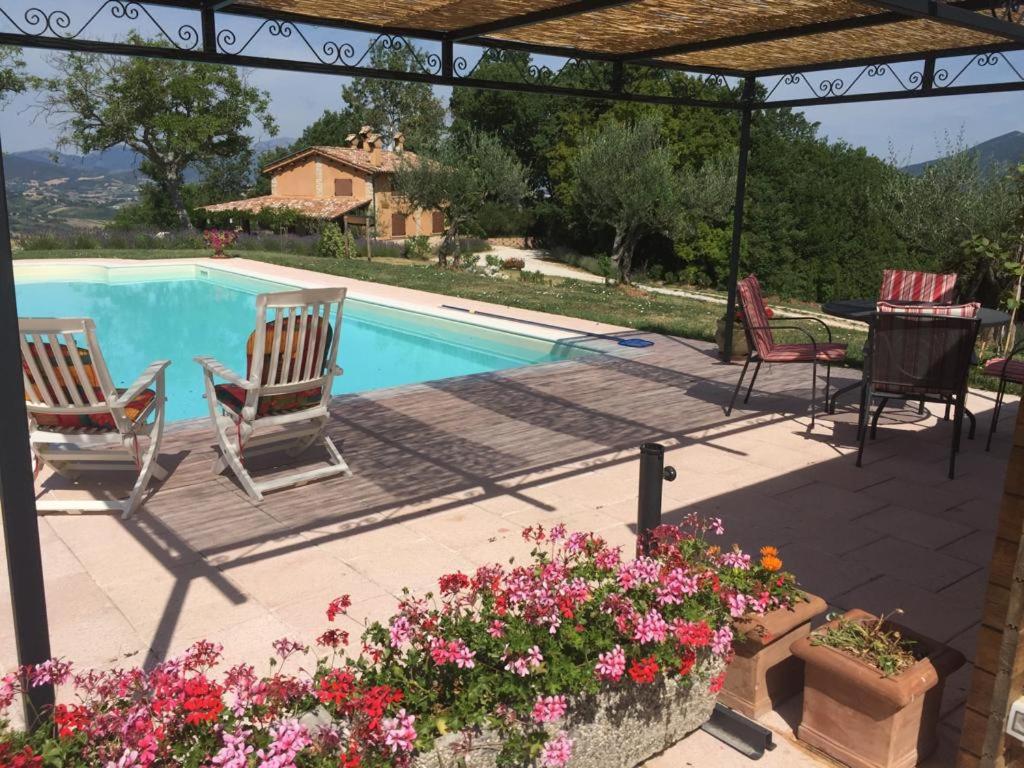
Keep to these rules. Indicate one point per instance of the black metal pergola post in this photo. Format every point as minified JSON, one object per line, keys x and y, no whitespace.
{"x":17,"y":486}
{"x":746,"y":115}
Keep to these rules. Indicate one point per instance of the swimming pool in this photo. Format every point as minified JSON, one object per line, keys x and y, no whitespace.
{"x":175,"y":313}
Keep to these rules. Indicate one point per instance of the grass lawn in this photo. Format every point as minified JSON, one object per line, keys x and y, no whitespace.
{"x":590,"y":301}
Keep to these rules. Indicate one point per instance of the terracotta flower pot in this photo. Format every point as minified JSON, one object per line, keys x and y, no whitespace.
{"x":739,"y":339}
{"x":764,"y":672}
{"x":865,"y":720}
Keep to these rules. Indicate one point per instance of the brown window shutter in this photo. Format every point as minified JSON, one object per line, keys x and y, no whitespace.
{"x":438,"y":223}
{"x":397,"y":225}
{"x":343,"y":187}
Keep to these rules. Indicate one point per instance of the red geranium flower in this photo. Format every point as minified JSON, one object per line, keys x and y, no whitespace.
{"x":452,"y":583}
{"x":336,"y":687}
{"x":202,"y":701}
{"x":69,"y":718}
{"x":338,"y":605}
{"x":644,"y":670}
{"x":686,"y":665}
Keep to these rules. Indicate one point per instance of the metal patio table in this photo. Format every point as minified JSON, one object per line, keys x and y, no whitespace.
{"x":864,"y":310}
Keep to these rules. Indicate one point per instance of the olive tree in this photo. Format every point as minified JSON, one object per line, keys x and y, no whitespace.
{"x":624,"y":179}
{"x":463,"y":175}
{"x":174,"y":114}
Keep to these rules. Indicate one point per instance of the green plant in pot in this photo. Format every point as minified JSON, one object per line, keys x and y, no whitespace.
{"x":740,"y":348}
{"x":872,"y":690}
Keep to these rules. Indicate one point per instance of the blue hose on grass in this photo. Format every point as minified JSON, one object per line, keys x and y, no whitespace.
{"x":633,"y":343}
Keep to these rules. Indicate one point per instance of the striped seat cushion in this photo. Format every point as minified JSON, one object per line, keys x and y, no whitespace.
{"x":907,"y":285}
{"x":805,"y":353}
{"x":947,"y":310}
{"x":100,"y":421}
{"x":1012,"y":371}
{"x":232,"y":397}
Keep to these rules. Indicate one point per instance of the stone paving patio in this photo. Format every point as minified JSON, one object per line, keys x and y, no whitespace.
{"x":447,"y":474}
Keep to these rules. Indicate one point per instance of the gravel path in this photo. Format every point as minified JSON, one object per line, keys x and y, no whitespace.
{"x":538,"y":261}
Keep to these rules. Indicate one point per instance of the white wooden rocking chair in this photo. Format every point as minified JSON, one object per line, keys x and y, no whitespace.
{"x":283,"y":398}
{"x":78,"y":420}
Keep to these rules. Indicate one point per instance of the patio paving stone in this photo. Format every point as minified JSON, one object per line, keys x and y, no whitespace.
{"x":926,"y":529}
{"x":916,"y":565}
{"x":975,"y":547}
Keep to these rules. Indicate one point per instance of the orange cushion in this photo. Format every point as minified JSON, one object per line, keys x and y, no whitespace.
{"x":312,"y":333}
{"x":232,"y":397}
{"x":104,"y":421}
{"x":92,"y":380}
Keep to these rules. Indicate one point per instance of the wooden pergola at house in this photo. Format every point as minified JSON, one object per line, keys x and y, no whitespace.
{"x":765,"y":54}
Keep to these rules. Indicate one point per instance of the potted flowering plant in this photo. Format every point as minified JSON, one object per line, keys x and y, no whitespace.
{"x":764,"y":672}
{"x":219,"y":239}
{"x":740,"y":348}
{"x":873,"y":691}
{"x":577,"y":654}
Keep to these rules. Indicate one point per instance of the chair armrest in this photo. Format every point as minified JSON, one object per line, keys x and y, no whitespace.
{"x":339,"y":371}
{"x":214,"y":368}
{"x":147,"y":377}
{"x":802,"y":318}
{"x":804,"y":331}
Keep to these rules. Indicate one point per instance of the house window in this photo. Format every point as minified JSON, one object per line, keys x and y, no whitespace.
{"x":343,"y":187}
{"x":397,"y":225}
{"x":437,"y":224}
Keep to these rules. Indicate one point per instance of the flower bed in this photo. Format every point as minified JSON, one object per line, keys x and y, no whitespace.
{"x":576,"y":652}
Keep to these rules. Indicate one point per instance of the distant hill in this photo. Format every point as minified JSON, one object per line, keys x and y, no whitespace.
{"x":1000,"y":152}
{"x":52,"y":190}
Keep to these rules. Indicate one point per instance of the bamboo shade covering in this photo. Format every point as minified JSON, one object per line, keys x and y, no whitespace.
{"x":904,"y":37}
{"x":635,"y":27}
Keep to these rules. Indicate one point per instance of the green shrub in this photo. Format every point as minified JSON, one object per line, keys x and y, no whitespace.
{"x":495,"y":262}
{"x":531,"y":277}
{"x":473,"y":245}
{"x":417,"y":248}
{"x":655,"y":272}
{"x":331,"y":244}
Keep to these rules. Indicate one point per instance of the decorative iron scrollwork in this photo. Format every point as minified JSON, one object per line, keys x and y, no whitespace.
{"x":1008,"y":10}
{"x":944,"y":78}
{"x":582,"y":74}
{"x":343,"y":54}
{"x":832,"y":87}
{"x":39,"y":23}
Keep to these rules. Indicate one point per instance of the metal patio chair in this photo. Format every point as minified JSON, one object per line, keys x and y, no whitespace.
{"x":1008,"y":371}
{"x":763,"y":347}
{"x":920,"y":353}
{"x":907,"y":285}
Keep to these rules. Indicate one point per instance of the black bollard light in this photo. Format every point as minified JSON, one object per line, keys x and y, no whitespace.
{"x":653,"y":473}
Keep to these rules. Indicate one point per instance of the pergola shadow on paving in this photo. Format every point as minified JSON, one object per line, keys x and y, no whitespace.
{"x":765,"y":54}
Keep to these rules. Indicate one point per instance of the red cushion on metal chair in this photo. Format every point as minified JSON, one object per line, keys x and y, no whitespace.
{"x":805,"y":353}
{"x":755,"y":314}
{"x":1012,"y":371}
{"x":101,"y":421}
{"x":907,"y":285}
{"x":943,"y":310}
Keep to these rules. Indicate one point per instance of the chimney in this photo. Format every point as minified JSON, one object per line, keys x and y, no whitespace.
{"x":375,"y":145}
{"x":399,"y":142}
{"x":352,"y":141}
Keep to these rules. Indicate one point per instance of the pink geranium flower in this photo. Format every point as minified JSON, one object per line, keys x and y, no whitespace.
{"x":557,"y":751}
{"x":548,"y":709}
{"x":611,"y":665}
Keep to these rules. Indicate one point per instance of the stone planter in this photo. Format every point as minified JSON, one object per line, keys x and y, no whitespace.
{"x":618,"y":728}
{"x":739,"y":339}
{"x":854,"y":714}
{"x":764,"y":672}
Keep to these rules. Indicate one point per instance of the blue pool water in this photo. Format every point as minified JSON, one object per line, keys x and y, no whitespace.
{"x":177,"y":319}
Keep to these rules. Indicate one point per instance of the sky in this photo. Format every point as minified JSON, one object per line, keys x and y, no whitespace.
{"x":911,"y":131}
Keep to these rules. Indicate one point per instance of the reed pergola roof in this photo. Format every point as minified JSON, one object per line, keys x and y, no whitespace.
{"x":741,"y":36}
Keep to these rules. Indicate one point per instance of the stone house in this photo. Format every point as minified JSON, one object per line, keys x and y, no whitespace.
{"x":350,"y":185}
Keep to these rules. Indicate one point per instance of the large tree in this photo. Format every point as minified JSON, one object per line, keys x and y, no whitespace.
{"x":174,"y":114}
{"x":12,"y":72}
{"x":624,"y":180}
{"x":463,"y":175}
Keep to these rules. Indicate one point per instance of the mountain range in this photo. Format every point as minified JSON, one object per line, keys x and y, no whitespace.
{"x":53,"y":190}
{"x":1001,"y":152}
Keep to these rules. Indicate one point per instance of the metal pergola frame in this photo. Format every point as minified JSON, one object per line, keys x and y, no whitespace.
{"x":212,"y":38}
